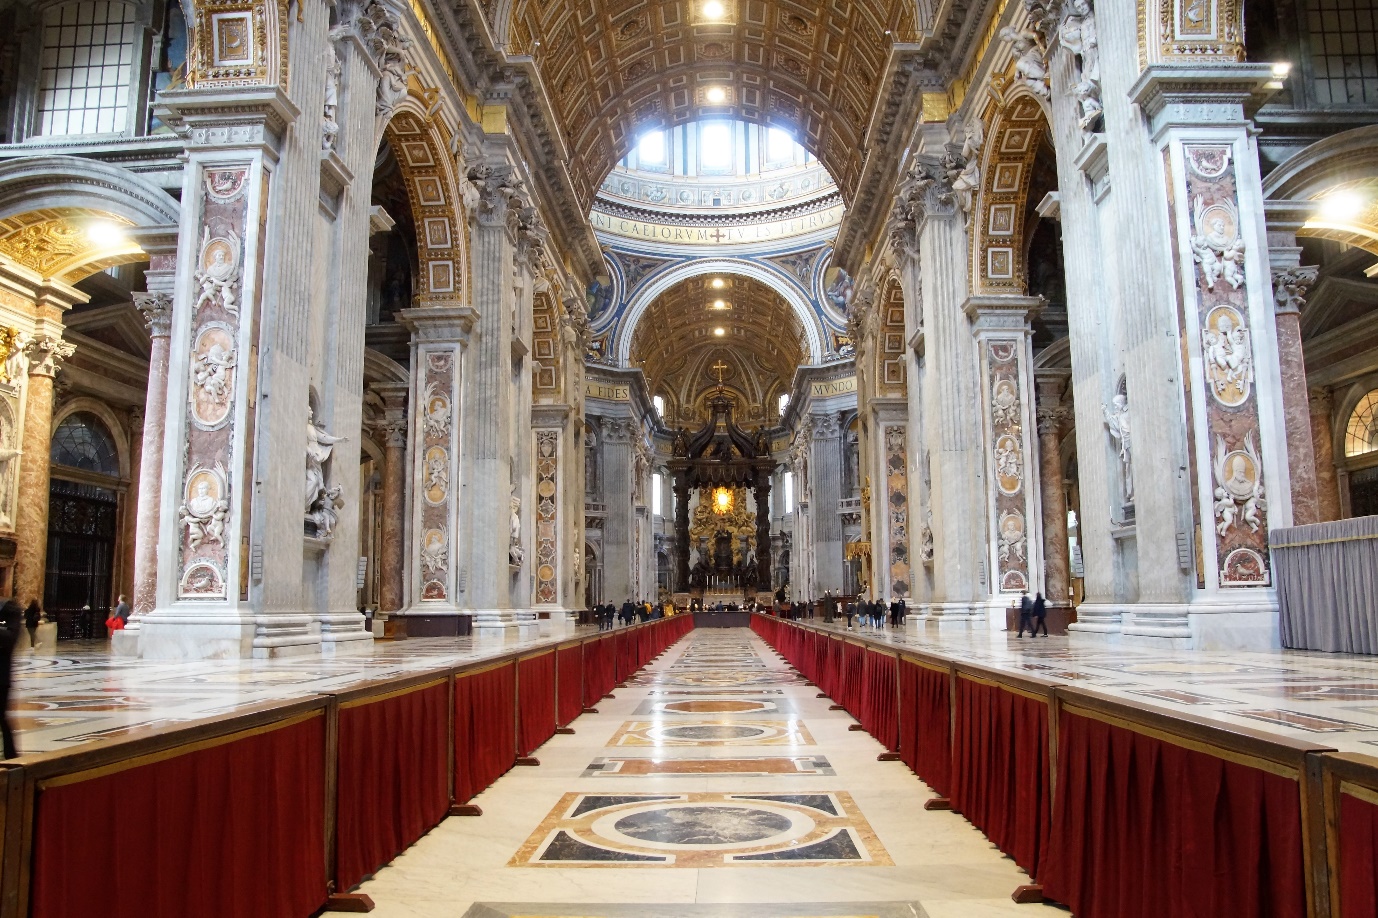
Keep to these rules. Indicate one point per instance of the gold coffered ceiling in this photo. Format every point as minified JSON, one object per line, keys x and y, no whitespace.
{"x":675,"y":346}
{"x":613,"y":69}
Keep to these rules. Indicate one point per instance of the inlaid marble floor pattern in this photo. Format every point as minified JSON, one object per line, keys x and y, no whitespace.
{"x":715,"y":783}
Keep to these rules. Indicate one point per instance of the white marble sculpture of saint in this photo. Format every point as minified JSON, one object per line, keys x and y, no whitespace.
{"x":1117,"y":420}
{"x":319,"y":445}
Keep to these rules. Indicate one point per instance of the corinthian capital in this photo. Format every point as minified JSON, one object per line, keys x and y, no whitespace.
{"x":45,"y":353}
{"x":1290,"y":286}
{"x":157,"y":311}
{"x":498,"y":193}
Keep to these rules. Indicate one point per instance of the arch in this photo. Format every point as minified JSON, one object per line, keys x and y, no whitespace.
{"x":776,"y":280}
{"x":421,"y":145}
{"x":54,"y":182}
{"x":379,"y":367}
{"x":108,"y":419}
{"x":1342,"y":162}
{"x":999,"y":250}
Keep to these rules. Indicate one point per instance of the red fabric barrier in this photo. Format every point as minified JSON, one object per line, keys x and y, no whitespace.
{"x":1000,"y":769}
{"x":925,"y":743}
{"x":535,"y":702}
{"x":393,"y":784}
{"x":1147,"y":828}
{"x":849,"y":678}
{"x":485,"y":728}
{"x":235,"y":829}
{"x":879,"y":699}
{"x":599,"y":669}
{"x":1358,"y":835}
{"x":570,"y":672}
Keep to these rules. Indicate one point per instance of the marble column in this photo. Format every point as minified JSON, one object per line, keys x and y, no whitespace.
{"x":618,"y":559}
{"x":1290,"y":283}
{"x":490,"y":401}
{"x":1052,"y":417}
{"x":392,"y":550}
{"x":45,"y":353}
{"x":157,"y":312}
{"x":825,"y":492}
{"x":129,"y":524}
{"x":1322,"y":406}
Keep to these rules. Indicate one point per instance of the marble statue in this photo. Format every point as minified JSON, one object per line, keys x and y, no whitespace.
{"x":435,"y":550}
{"x":1117,"y":420}
{"x":1077,"y":34}
{"x":1088,"y":97}
{"x":324,"y":511}
{"x":926,"y":538}
{"x":1011,"y":538}
{"x":1029,"y":67}
{"x":1217,"y":246}
{"x":1228,"y":357}
{"x":382,"y":34}
{"x":218,"y":272}
{"x":1238,"y":486}
{"x":435,"y":413}
{"x":319,"y":445}
{"x":17,"y":363}
{"x":9,"y":453}
{"x":515,"y":553}
{"x":330,"y":128}
{"x":211,"y":372}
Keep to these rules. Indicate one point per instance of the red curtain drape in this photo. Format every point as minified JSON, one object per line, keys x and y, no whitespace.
{"x":1144,"y":828}
{"x":1000,"y":769}
{"x":393,"y":783}
{"x":234,"y":830}
{"x":485,"y":728}
{"x":570,"y":671}
{"x":925,"y":742}
{"x":850,"y":677}
{"x":535,"y":702}
{"x":599,"y":669}
{"x":879,"y":699}
{"x":1358,"y":834}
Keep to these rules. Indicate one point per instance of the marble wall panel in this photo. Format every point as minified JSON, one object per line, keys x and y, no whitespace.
{"x":1006,"y":419}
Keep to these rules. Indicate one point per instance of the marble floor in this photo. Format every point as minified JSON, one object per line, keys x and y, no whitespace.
{"x":715,"y":784}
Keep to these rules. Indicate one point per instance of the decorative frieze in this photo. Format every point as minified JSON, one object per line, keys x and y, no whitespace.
{"x":897,"y":509}
{"x":547,"y":517}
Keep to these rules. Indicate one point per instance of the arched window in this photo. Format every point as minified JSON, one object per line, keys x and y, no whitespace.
{"x":1361,"y":434}
{"x":83,"y":442}
{"x":87,"y":67}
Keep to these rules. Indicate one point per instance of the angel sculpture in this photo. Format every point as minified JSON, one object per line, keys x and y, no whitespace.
{"x":219,"y":272}
{"x":1029,"y":67}
{"x":1217,"y":246}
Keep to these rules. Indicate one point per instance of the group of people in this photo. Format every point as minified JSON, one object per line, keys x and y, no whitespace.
{"x":874,"y":613}
{"x":607,"y":614}
{"x":1033,"y":614}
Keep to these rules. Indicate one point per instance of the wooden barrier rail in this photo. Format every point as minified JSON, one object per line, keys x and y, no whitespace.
{"x":278,"y":809}
{"x":1116,"y":809}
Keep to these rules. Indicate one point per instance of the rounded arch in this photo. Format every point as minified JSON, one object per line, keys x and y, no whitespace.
{"x":776,"y":280}
{"x":999,"y":250}
{"x":421,"y":144}
{"x":1342,"y":162}
{"x":55,"y":182}
{"x":108,"y":419}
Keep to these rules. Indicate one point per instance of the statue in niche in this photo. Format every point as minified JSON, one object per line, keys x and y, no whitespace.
{"x":17,"y":363}
{"x":218,"y":272}
{"x":1217,"y":246}
{"x":515,"y":553}
{"x":926,"y":538}
{"x":330,"y":128}
{"x":1117,"y":421}
{"x":322,"y":501}
{"x":8,"y":454}
{"x":1238,"y":486}
{"x":1029,"y":67}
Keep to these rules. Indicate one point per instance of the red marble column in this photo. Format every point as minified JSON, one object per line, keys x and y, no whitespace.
{"x":45,"y":353}
{"x":1322,"y":404}
{"x":129,"y":516}
{"x":157,"y":310}
{"x":1057,"y":572}
{"x":1289,"y":294}
{"x":392,"y":551}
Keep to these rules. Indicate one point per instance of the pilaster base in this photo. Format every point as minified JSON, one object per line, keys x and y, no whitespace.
{"x":124,"y":643}
{"x":948,"y":616}
{"x":1226,"y":622}
{"x":344,"y":633}
{"x":188,"y":635}
{"x":505,"y":624}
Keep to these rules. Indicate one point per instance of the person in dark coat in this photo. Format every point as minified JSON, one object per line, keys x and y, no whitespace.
{"x":33,"y":617}
{"x":1025,"y":614}
{"x":1040,"y":615}
{"x":11,"y":620}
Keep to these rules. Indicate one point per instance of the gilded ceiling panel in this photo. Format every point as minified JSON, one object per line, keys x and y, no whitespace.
{"x":616,"y":69}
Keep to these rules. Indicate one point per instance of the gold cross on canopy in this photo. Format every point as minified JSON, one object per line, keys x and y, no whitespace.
{"x":719,"y":370}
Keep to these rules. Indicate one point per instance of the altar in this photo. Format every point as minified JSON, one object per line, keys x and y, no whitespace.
{"x":722,"y":534}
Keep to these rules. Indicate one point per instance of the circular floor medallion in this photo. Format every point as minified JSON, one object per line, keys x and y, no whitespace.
{"x":703,"y":825}
{"x":712,"y":731}
{"x":714,"y":707}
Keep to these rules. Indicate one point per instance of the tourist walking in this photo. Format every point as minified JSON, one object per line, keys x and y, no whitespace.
{"x":1025,"y":614}
{"x":33,"y":617}
{"x":1040,"y":615}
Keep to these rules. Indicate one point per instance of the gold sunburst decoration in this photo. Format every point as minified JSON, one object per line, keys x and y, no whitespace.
{"x":722,"y":501}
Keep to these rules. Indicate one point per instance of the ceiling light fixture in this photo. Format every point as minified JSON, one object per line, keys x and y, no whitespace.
{"x":718,"y":283}
{"x":719,"y":331}
{"x":719,"y":304}
{"x":715,"y":94}
{"x":713,"y":9}
{"x":1341,"y":205}
{"x":105,"y":234}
